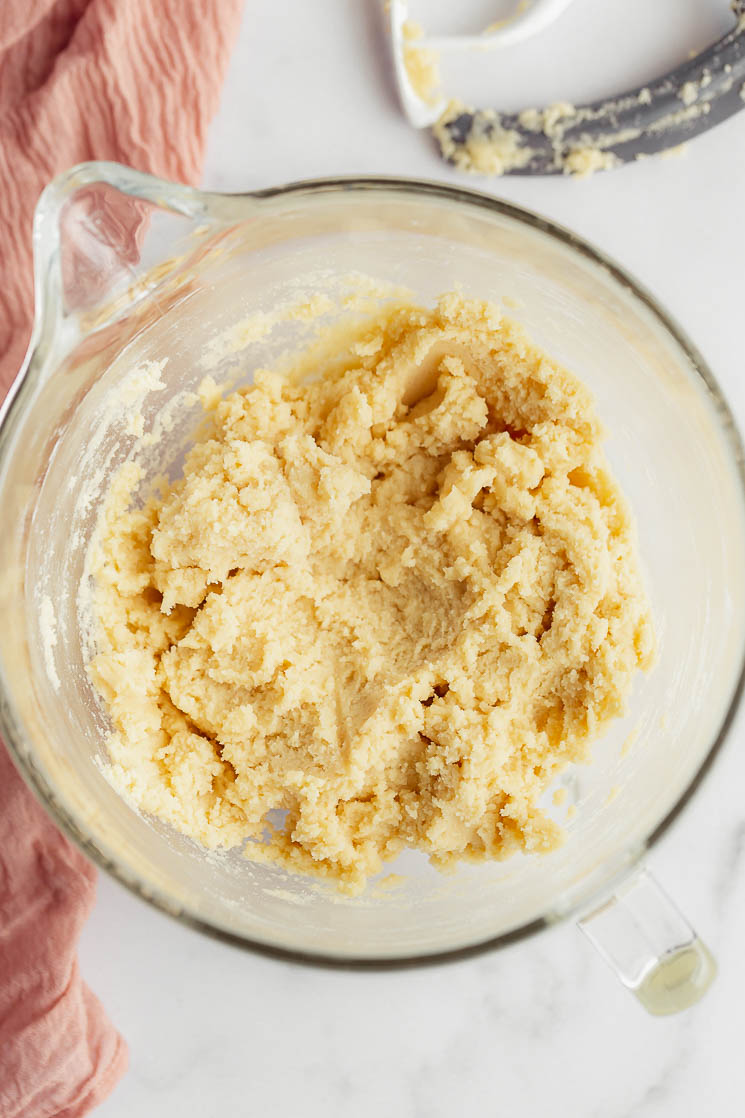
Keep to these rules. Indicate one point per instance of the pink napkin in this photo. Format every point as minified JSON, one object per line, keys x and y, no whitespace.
{"x":135,"y":81}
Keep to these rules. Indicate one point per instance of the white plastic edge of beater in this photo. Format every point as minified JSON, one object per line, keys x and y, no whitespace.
{"x":528,"y":18}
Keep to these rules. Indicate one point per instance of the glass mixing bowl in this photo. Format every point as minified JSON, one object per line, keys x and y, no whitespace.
{"x":130,"y":269}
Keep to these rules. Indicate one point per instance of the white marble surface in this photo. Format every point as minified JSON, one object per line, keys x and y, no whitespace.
{"x":542,"y":1027}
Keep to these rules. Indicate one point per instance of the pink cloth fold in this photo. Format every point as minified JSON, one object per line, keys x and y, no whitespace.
{"x":135,"y":81}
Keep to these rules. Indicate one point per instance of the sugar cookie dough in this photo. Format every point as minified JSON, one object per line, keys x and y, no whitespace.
{"x":392,"y":601}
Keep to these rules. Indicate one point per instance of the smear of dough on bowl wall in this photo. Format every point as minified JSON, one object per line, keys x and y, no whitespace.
{"x":392,"y":595}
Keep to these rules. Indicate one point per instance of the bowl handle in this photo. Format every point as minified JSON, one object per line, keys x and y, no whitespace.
{"x":651,"y":946}
{"x":90,"y":226}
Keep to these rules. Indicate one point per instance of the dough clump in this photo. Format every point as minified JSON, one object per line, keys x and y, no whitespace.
{"x":392,"y":601}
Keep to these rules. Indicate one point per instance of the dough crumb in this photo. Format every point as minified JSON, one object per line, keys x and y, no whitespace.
{"x":688,"y":92}
{"x":380,"y":609}
{"x":583,"y":162}
{"x":675,"y":152}
{"x":628,"y":744}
